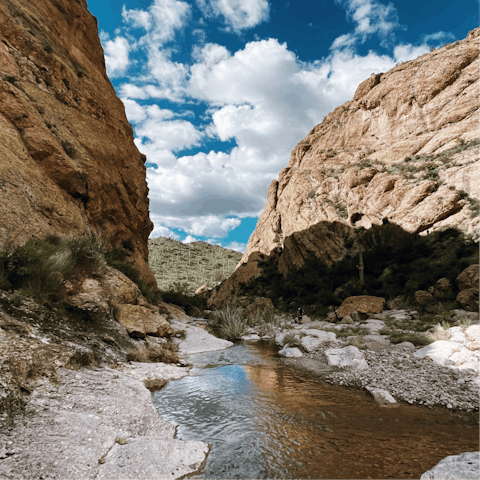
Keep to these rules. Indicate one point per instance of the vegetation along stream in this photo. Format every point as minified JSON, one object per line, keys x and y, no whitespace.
{"x":266,"y":419}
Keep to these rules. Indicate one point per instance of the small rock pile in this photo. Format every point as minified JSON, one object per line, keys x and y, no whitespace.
{"x":413,"y":380}
{"x":444,"y":373}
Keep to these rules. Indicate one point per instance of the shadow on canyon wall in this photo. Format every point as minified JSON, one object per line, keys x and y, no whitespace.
{"x":321,"y":268}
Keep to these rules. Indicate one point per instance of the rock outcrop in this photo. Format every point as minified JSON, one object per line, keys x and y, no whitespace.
{"x":403,"y":151}
{"x":68,"y":162}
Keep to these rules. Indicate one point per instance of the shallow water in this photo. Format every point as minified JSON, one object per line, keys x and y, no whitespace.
{"x":265,"y":419}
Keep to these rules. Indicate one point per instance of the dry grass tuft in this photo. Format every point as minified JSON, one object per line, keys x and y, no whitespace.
{"x":165,"y":353}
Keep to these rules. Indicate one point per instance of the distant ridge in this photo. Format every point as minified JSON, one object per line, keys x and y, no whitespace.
{"x":191,"y":264}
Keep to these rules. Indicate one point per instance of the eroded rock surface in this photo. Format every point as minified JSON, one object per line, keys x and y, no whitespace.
{"x":455,"y":467}
{"x":69,"y":164}
{"x":97,"y":423}
{"x":404,"y":150}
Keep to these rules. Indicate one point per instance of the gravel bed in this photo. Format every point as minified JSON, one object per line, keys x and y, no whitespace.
{"x":408,"y":379}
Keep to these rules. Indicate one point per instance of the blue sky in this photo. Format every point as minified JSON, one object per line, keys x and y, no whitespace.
{"x":220,"y":91}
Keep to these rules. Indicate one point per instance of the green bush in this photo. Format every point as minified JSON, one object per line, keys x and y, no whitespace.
{"x":39,"y":267}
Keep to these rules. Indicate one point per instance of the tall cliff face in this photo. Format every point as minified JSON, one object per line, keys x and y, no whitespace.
{"x":68,"y":164}
{"x":404,"y":151}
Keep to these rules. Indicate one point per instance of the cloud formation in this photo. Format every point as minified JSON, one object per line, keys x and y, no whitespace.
{"x":237,"y":14}
{"x":116,"y":56}
{"x":261,"y":99}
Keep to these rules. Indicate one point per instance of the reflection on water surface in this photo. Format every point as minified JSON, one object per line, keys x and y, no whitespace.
{"x":268,"y":420}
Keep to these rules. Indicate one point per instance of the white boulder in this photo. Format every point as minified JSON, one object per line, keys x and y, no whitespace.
{"x":473,"y":367}
{"x":252,"y":337}
{"x":439,"y":351}
{"x":473,"y":333}
{"x":350,"y":357}
{"x":381,"y":396}
{"x":456,"y":334}
{"x":455,"y":467}
{"x":290,"y":352}
{"x":463,"y":356}
{"x":406,"y":346}
{"x":373,"y":326}
{"x":315,"y":338}
{"x":198,"y":340}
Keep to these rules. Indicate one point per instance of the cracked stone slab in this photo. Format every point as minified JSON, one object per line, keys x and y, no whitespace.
{"x":198,"y":340}
{"x":73,"y":422}
{"x":455,"y":467}
{"x":153,"y":458}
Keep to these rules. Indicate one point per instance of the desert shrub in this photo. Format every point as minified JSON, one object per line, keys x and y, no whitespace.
{"x":164,"y":352}
{"x":178,"y":295}
{"x":415,"y":338}
{"x":47,"y":47}
{"x":39,"y":267}
{"x":229,"y":322}
{"x":357,"y":342}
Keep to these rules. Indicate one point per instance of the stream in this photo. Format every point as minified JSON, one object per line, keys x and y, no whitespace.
{"x":265,"y":419}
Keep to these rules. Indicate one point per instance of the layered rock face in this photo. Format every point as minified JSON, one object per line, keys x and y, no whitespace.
{"x":68,"y":164}
{"x":403,"y":151}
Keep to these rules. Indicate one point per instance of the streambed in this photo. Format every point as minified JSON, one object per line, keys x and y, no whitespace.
{"x":266,"y":419}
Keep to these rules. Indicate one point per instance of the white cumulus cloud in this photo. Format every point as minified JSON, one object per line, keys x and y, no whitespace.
{"x":116,"y":56}
{"x":239,"y":15}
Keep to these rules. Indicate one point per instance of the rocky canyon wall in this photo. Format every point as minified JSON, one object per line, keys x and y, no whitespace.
{"x":68,"y":164}
{"x":403,"y":151}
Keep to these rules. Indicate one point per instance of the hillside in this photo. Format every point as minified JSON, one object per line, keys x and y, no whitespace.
{"x":191,"y":264}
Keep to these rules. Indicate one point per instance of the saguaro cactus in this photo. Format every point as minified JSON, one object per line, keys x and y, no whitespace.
{"x":361,"y":267}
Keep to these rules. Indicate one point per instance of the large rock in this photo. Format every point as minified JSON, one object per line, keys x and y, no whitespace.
{"x":258,"y":307}
{"x":290,"y":352}
{"x":468,"y":298}
{"x":315,"y":338}
{"x":422,"y":297}
{"x":69,"y":164}
{"x":197,"y":340}
{"x":455,"y":467}
{"x":469,"y":278}
{"x":109,"y":287}
{"x":373,"y":326}
{"x":439,"y":351}
{"x":381,"y":396}
{"x":349,"y":170}
{"x":349,"y":357}
{"x":441,"y":287}
{"x":156,"y":459}
{"x":473,"y":332}
{"x":362,"y":304}
{"x":140,"y":321}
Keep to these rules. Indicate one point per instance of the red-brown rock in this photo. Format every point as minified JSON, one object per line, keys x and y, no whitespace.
{"x":362,"y":304}
{"x":468,"y":278}
{"x":69,"y":165}
{"x":421,"y":297}
{"x":468,"y":298}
